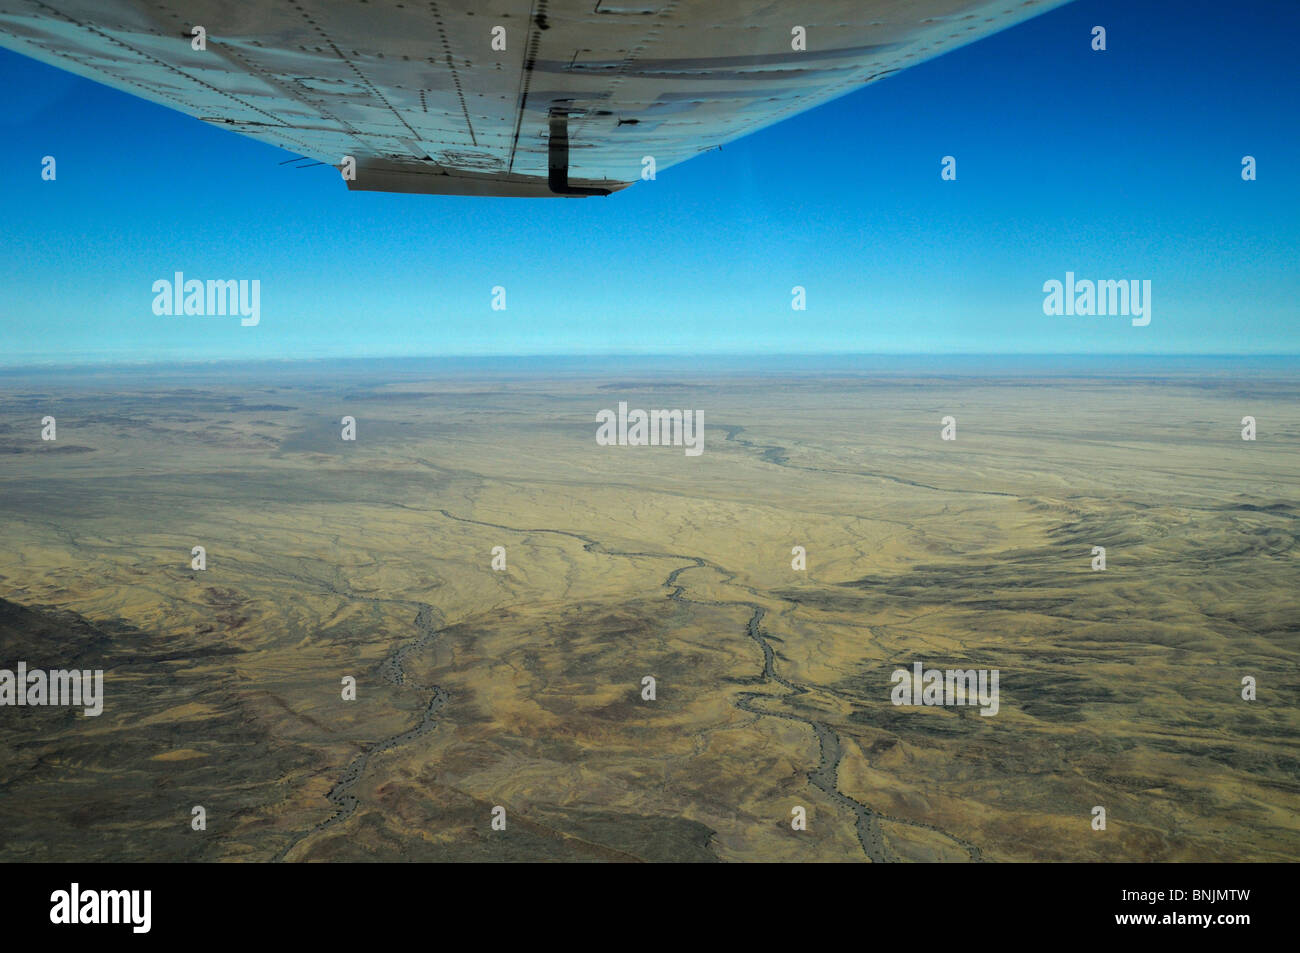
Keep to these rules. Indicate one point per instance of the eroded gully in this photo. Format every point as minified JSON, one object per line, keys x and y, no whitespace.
{"x":825,"y":776}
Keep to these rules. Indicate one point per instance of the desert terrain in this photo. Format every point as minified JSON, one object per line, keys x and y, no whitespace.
{"x":522,"y":688}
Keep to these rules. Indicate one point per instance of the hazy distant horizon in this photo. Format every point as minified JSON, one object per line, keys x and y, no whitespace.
{"x":717,"y":363}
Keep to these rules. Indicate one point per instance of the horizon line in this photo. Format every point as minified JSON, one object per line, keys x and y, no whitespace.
{"x":821,"y":356}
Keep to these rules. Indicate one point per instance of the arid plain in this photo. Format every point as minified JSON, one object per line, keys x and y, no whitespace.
{"x":522,"y":689}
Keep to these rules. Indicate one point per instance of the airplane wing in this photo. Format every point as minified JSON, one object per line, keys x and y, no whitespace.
{"x":496,"y":97}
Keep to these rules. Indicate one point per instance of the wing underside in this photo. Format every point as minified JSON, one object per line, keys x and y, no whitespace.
{"x":500,"y":97}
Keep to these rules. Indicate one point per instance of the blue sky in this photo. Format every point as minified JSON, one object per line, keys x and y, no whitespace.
{"x":1122,"y":164}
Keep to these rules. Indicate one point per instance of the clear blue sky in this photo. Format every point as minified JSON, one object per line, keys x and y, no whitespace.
{"x":1123,"y":164}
